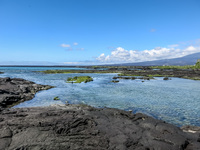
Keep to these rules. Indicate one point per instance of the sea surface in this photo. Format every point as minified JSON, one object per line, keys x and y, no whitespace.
{"x":175,"y":101}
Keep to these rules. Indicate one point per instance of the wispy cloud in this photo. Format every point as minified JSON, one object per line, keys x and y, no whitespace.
{"x":71,"y":47}
{"x":122,"y":55}
{"x":75,"y":43}
{"x":65,"y":45}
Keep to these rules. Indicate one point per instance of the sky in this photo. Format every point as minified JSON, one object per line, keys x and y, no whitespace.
{"x":88,"y":32}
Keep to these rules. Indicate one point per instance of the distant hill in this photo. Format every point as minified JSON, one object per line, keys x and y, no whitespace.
{"x":186,"y":60}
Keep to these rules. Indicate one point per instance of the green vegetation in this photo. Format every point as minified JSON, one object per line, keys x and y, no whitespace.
{"x":155,"y":75}
{"x":196,"y":66}
{"x":79,"y":79}
{"x":175,"y":67}
{"x":56,"y":98}
{"x":192,"y":78}
{"x":159,"y":75}
{"x":58,"y":71}
{"x":77,"y":71}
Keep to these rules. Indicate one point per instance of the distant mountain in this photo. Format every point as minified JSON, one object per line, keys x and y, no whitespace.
{"x":186,"y":60}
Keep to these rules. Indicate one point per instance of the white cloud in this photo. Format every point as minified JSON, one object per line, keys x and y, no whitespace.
{"x":101,"y":57}
{"x":122,"y":55}
{"x":65,"y":45}
{"x":190,"y":48}
{"x":75,"y":43}
{"x":71,"y":47}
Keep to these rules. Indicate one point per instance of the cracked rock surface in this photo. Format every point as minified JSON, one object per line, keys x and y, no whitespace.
{"x":17,"y":90}
{"x":83,"y":127}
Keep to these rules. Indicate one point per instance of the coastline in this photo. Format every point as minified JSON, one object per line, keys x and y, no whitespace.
{"x":15,"y":90}
{"x":82,"y":126}
{"x":86,"y":127}
{"x":137,"y":71}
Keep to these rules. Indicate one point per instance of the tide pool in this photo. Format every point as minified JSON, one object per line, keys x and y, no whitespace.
{"x":176,"y":101}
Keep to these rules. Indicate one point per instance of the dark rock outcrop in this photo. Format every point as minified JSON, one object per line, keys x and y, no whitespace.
{"x":115,"y":81}
{"x":84,"y":127}
{"x":125,"y":77}
{"x":17,"y":90}
{"x":133,"y":78}
{"x":187,"y":74}
{"x":166,"y":78}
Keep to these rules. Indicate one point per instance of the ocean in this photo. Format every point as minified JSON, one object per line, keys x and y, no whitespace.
{"x":175,"y":101}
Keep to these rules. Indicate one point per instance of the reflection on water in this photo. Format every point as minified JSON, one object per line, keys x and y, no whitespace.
{"x":175,"y":101}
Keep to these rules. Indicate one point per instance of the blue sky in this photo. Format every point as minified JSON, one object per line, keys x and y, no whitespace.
{"x":97,"y":31}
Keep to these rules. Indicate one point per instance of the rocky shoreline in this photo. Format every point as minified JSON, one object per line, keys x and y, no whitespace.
{"x":81,"y":126}
{"x":140,"y":71}
{"x":187,"y":74}
{"x":84,"y":127}
{"x":13,"y":91}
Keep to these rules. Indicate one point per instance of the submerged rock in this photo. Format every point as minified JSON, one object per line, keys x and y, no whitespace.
{"x":84,"y":127}
{"x":133,"y":78}
{"x":166,"y":78}
{"x":17,"y":90}
{"x":115,"y":78}
{"x":115,"y":81}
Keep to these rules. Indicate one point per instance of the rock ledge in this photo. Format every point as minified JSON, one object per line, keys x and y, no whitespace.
{"x":83,"y":127}
{"x":17,"y":90}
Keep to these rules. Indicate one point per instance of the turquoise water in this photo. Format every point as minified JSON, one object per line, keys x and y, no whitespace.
{"x":176,"y":101}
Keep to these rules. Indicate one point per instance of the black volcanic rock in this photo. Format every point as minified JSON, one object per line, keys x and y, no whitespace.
{"x":166,"y":78}
{"x":17,"y":90}
{"x":83,"y":127}
{"x":187,"y":74}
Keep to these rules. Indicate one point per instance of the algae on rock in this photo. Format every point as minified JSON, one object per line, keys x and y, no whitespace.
{"x":79,"y":79}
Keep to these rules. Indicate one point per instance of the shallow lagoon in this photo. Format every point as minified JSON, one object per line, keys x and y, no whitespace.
{"x":176,"y":101}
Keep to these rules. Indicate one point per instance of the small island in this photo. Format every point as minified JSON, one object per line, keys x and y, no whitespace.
{"x":79,"y":79}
